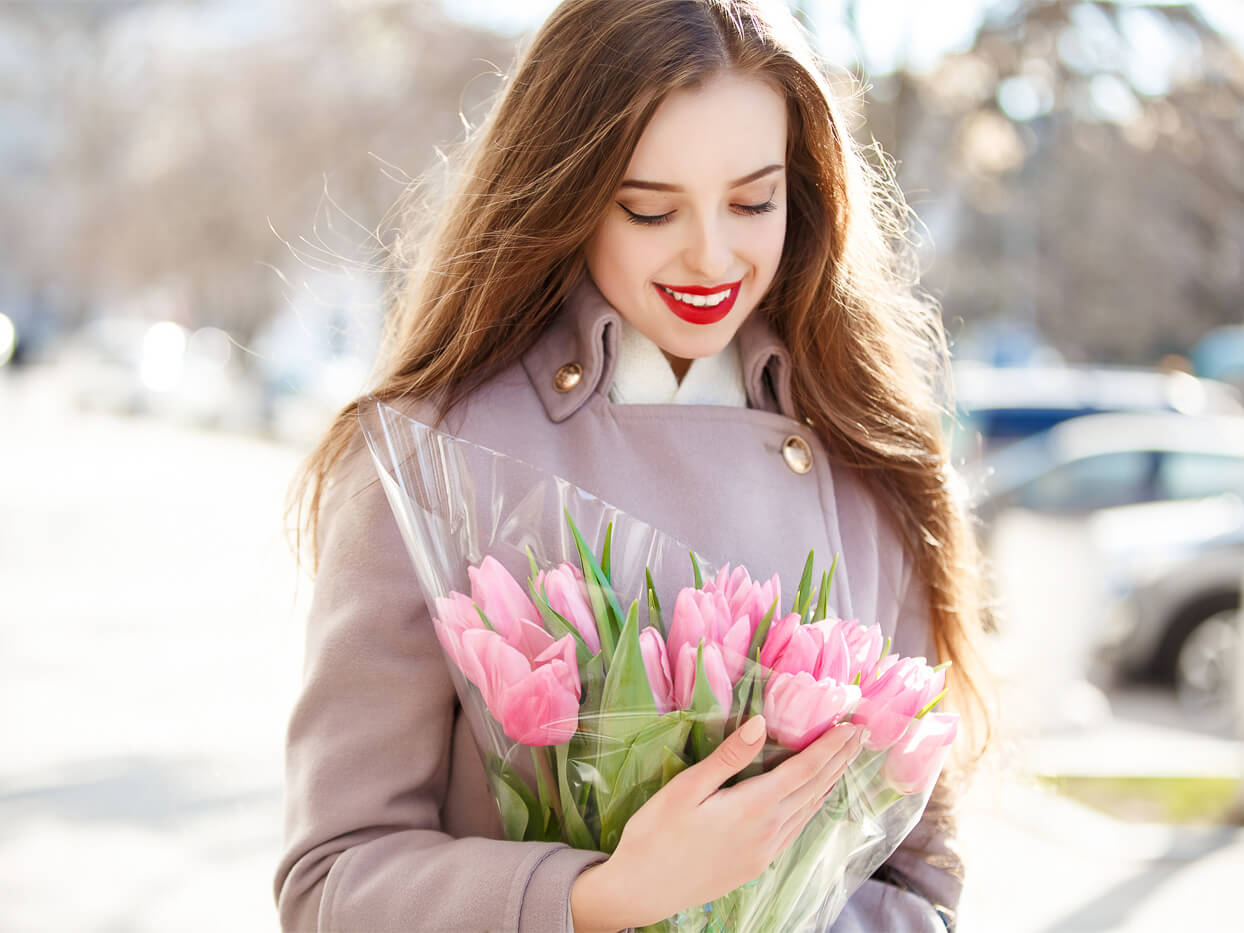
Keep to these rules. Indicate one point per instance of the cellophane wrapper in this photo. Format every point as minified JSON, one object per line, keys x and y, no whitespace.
{"x":456,"y":503}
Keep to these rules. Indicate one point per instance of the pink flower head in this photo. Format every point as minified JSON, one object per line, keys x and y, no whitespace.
{"x":912,"y":766}
{"x":799,"y":708}
{"x":864,"y":646}
{"x":746,"y":597}
{"x":780,"y":632}
{"x":891,"y":701}
{"x":567,"y":595}
{"x":501,"y":597}
{"x":657,"y":664}
{"x":455,"y":614}
{"x":535,"y":706}
{"x":698,"y":614}
{"x":538,"y":709}
{"x":834,"y":661}
{"x":802,"y":651}
{"x":714,"y":667}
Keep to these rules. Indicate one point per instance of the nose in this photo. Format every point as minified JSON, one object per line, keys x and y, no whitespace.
{"x":709,"y":253}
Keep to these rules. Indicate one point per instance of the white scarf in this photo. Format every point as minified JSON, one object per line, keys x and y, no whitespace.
{"x":643,"y":376}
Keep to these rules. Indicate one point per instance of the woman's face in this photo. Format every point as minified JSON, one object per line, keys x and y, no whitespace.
{"x":694,"y":237}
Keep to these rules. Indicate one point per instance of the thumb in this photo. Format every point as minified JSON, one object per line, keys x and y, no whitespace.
{"x":730,"y":757}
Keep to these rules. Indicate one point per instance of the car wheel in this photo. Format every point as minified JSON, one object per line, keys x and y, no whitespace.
{"x":1205,"y":668}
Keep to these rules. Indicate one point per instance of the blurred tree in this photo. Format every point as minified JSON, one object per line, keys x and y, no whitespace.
{"x":196,"y":139}
{"x":1087,"y":165}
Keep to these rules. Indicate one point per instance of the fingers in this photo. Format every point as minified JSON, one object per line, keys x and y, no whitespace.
{"x":808,"y":800}
{"x":796,"y":772}
{"x":829,"y":772}
{"x":729,"y":758}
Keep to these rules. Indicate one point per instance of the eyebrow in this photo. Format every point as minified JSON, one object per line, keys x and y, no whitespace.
{"x":663,"y":186}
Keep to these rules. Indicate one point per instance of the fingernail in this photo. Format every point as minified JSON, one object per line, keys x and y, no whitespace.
{"x":752,"y":730}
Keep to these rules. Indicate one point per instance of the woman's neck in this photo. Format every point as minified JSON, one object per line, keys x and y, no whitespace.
{"x":679,"y":365}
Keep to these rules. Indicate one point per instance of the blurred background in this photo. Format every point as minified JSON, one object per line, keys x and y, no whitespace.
{"x":195,"y":201}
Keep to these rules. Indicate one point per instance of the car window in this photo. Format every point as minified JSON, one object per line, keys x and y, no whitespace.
{"x":1195,"y":475}
{"x":1098,"y":482}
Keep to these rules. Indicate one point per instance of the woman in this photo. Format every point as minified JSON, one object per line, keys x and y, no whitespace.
{"x":666,"y":275}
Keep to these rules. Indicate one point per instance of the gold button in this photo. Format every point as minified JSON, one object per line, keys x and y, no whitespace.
{"x":797,"y":454}
{"x":567,"y":377}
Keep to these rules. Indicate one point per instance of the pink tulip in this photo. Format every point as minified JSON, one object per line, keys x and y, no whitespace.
{"x":566,"y":592}
{"x":657,"y":664}
{"x":802,"y":652}
{"x":912,"y":766}
{"x":563,"y":656}
{"x":864,"y":646}
{"x":745,"y":597}
{"x":537,"y":706}
{"x":714,"y":667}
{"x":698,"y":614}
{"x":491,"y":663}
{"x":780,"y":632}
{"x":799,"y":708}
{"x":890,"y":702}
{"x":734,"y":645}
{"x":455,"y":614}
{"x":834,"y":662}
{"x":538,"y":709}
{"x":501,"y":597}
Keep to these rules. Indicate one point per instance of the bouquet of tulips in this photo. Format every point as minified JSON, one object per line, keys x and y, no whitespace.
{"x":586,"y":697}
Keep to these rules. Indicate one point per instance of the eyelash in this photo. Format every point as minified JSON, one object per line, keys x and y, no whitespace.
{"x":656,"y":220}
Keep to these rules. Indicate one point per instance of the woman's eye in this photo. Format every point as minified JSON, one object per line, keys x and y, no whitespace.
{"x":764,"y":208}
{"x":647,"y":220}
{"x":655,"y":220}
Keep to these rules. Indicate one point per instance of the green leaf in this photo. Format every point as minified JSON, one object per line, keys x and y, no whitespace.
{"x":514,"y":812}
{"x":822,"y":600}
{"x":577,"y":832}
{"x":803,"y":595}
{"x":487,"y":623}
{"x":928,"y":707}
{"x":695,"y":567}
{"x":606,"y":553}
{"x":672,"y":765}
{"x":626,"y":704}
{"x":600,"y":592}
{"x":829,"y":580}
{"x":762,"y":631}
{"x":710,"y":719}
{"x":654,"y":605}
{"x":543,"y":789}
{"x":522,"y":816}
{"x":641,"y":773}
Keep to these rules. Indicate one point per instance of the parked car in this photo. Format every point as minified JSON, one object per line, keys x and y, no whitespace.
{"x":1175,"y":571}
{"x":998,"y":406}
{"x":1104,"y":461}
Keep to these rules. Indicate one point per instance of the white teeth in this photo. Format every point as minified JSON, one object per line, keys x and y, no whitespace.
{"x":699,"y":301}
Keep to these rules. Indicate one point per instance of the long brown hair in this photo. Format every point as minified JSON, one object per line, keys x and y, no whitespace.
{"x":869,"y":352}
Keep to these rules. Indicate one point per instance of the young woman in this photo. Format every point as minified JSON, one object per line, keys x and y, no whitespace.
{"x":667,"y":275}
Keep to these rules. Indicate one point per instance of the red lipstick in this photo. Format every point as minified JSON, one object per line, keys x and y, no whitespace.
{"x":693,"y":314}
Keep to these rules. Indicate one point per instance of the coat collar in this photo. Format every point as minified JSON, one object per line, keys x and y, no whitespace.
{"x":585,"y":332}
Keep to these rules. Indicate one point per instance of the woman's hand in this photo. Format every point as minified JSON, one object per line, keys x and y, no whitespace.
{"x":696,"y":840}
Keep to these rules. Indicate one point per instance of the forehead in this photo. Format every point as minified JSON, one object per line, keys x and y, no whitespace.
{"x":724,"y":129}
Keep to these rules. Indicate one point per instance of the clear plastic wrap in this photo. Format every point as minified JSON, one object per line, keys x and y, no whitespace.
{"x":541,"y":594}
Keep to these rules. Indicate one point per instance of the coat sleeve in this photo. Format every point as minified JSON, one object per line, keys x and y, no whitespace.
{"x":367,"y":758}
{"x":924,"y":874}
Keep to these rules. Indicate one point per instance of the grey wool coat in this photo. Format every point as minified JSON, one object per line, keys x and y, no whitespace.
{"x":389,"y":820}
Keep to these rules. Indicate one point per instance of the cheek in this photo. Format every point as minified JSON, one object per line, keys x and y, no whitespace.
{"x":622,"y":255}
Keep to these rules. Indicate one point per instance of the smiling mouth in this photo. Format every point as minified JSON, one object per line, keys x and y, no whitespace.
{"x":697,"y":304}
